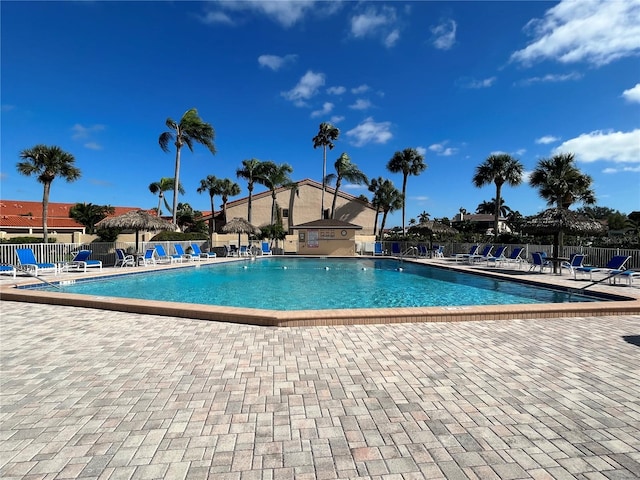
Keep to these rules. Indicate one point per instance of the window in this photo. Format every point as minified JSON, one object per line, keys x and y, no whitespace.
{"x":327,"y":214}
{"x":285,"y":213}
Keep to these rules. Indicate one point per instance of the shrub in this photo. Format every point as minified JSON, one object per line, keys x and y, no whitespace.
{"x":178,"y":236}
{"x":23,"y":240}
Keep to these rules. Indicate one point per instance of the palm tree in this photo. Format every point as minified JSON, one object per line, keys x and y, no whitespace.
{"x":190,"y":129}
{"x":498,"y":169}
{"x":374,"y":186}
{"x":275,"y":176}
{"x":228,"y":189}
{"x":210,"y":185}
{"x":561,"y":183}
{"x":347,"y":171}
{"x":327,"y":134}
{"x":389,"y":199}
{"x":423,"y":217}
{"x":250,"y":172}
{"x":164,"y":185}
{"x":47,"y":163}
{"x":409,"y":162}
{"x":490,"y":207}
{"x":89,"y":214}
{"x":295,"y":192}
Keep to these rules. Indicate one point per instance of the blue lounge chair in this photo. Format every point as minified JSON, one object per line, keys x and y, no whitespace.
{"x":81,"y":261}
{"x":423,"y":251}
{"x":149,"y":257}
{"x":483,"y":255}
{"x":463,"y":256}
{"x":539,"y":262}
{"x":377,"y":248}
{"x":438,"y":252}
{"x":244,"y":251}
{"x":123,"y":260}
{"x":514,"y":257}
{"x":497,"y":257}
{"x":164,"y":258}
{"x":575,"y":261}
{"x":628,"y":274}
{"x":615,"y":266}
{"x":266,"y":250}
{"x":395,"y":249}
{"x":183,"y":255}
{"x":28,"y":262}
{"x":8,"y":270}
{"x":199,"y":253}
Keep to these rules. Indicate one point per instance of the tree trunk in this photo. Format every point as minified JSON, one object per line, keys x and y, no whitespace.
{"x":250,"y":188}
{"x":404,"y":201}
{"x":212,"y":224}
{"x":324,"y":174}
{"x":375,"y":222}
{"x":159,"y":212}
{"x":384,"y":220}
{"x":496,"y":212}
{"x":335,"y":198}
{"x":45,"y":211}
{"x":176,"y":182}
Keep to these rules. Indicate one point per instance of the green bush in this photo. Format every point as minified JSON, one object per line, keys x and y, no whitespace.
{"x":22,"y":240}
{"x":178,"y":236}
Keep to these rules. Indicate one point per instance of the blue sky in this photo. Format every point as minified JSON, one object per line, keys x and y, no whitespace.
{"x":456,"y":80}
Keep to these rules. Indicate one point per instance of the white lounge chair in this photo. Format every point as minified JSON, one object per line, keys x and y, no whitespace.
{"x":266,"y":250}
{"x":81,"y":261}
{"x":124,"y":260}
{"x":29,"y":264}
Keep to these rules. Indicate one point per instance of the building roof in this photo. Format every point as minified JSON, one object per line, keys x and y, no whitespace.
{"x":328,"y":224}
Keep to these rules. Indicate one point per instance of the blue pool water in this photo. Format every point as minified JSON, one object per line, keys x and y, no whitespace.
{"x":323,"y":283}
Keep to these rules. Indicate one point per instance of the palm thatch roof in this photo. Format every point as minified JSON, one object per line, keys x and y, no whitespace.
{"x":136,"y":220}
{"x":240,"y":225}
{"x":554,"y":220}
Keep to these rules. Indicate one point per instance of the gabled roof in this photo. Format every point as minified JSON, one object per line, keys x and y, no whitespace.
{"x":328,"y":224}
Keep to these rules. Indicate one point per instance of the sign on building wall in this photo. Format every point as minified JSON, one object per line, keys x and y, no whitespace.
{"x":312,"y":241}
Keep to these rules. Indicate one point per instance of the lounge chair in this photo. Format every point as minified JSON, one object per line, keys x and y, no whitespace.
{"x":81,"y":261}
{"x":244,"y":251}
{"x":8,"y":270}
{"x":183,"y":256}
{"x":628,"y":274}
{"x":484,"y":255}
{"x":464,"y":256}
{"x":615,"y":266}
{"x":539,"y":262}
{"x":28,"y":262}
{"x":438,"y":252}
{"x":266,"y":250}
{"x":395,"y":249}
{"x":423,"y":251}
{"x":497,"y":257}
{"x":514,"y":257}
{"x":575,"y":261}
{"x":149,"y":257}
{"x":377,"y":248}
{"x":199,"y":253}
{"x":164,"y":258}
{"x":123,"y":260}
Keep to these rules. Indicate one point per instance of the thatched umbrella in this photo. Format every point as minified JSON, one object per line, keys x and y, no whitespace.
{"x":240,"y":225}
{"x":432,"y":227}
{"x":136,"y":220}
{"x":561,"y":220}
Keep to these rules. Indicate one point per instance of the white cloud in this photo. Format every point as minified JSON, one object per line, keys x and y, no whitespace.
{"x":336,"y":119}
{"x":284,"y":12}
{"x":306,"y":88}
{"x":93,"y":146}
{"x":632,"y":94}
{"x":619,"y":147}
{"x":552,"y":78}
{"x":597,"y":32}
{"x":421,"y":150}
{"x":526,"y":175}
{"x":546,"y":139}
{"x":216,"y":17}
{"x":520,"y":152}
{"x":360,"y":89}
{"x":361,"y":104}
{"x":442,"y":150}
{"x":81,"y":132}
{"x":370,"y":131}
{"x":622,"y":170}
{"x":327,"y":107}
{"x":379,"y":23}
{"x":275,"y":62}
{"x":473,"y":83}
{"x":336,"y":90}
{"x":444,"y":35}
{"x":7,"y":108}
{"x":353,"y":186}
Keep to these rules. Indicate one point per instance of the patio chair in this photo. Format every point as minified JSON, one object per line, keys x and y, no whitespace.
{"x":423,"y":251}
{"x":463,"y":256}
{"x":615,"y":266}
{"x":28,"y":262}
{"x":164,"y":258}
{"x":514,"y":257}
{"x":244,"y":251}
{"x":575,"y":261}
{"x":199,"y":253}
{"x":149,"y":257}
{"x":266,"y":249}
{"x":395,"y":249}
{"x":124,"y":260}
{"x":438,"y":252}
{"x":484,"y":255}
{"x":497,"y":257}
{"x":8,"y":270}
{"x":81,"y":261}
{"x":183,"y":256}
{"x":377,"y":248}
{"x":539,"y":262}
{"x":628,"y":274}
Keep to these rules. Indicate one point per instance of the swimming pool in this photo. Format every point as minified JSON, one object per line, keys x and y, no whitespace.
{"x":289,"y":284}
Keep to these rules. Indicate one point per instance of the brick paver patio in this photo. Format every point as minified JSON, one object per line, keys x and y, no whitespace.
{"x":96,"y":394}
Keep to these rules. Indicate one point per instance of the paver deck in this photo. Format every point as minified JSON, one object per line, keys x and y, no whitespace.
{"x":88,"y":393}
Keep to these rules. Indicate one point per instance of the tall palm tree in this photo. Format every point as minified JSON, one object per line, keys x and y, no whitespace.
{"x":409,"y":162}
{"x":228,"y":189}
{"x":165,"y":184}
{"x":347,"y":171}
{"x":498,"y":169}
{"x":275,"y":176}
{"x":561,"y":183}
{"x":211,"y":185}
{"x":374,"y":186}
{"x":190,"y":129}
{"x":250,"y":172}
{"x":390,"y":199}
{"x":327,"y":134}
{"x":47,"y":163}
{"x":423,"y":217}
